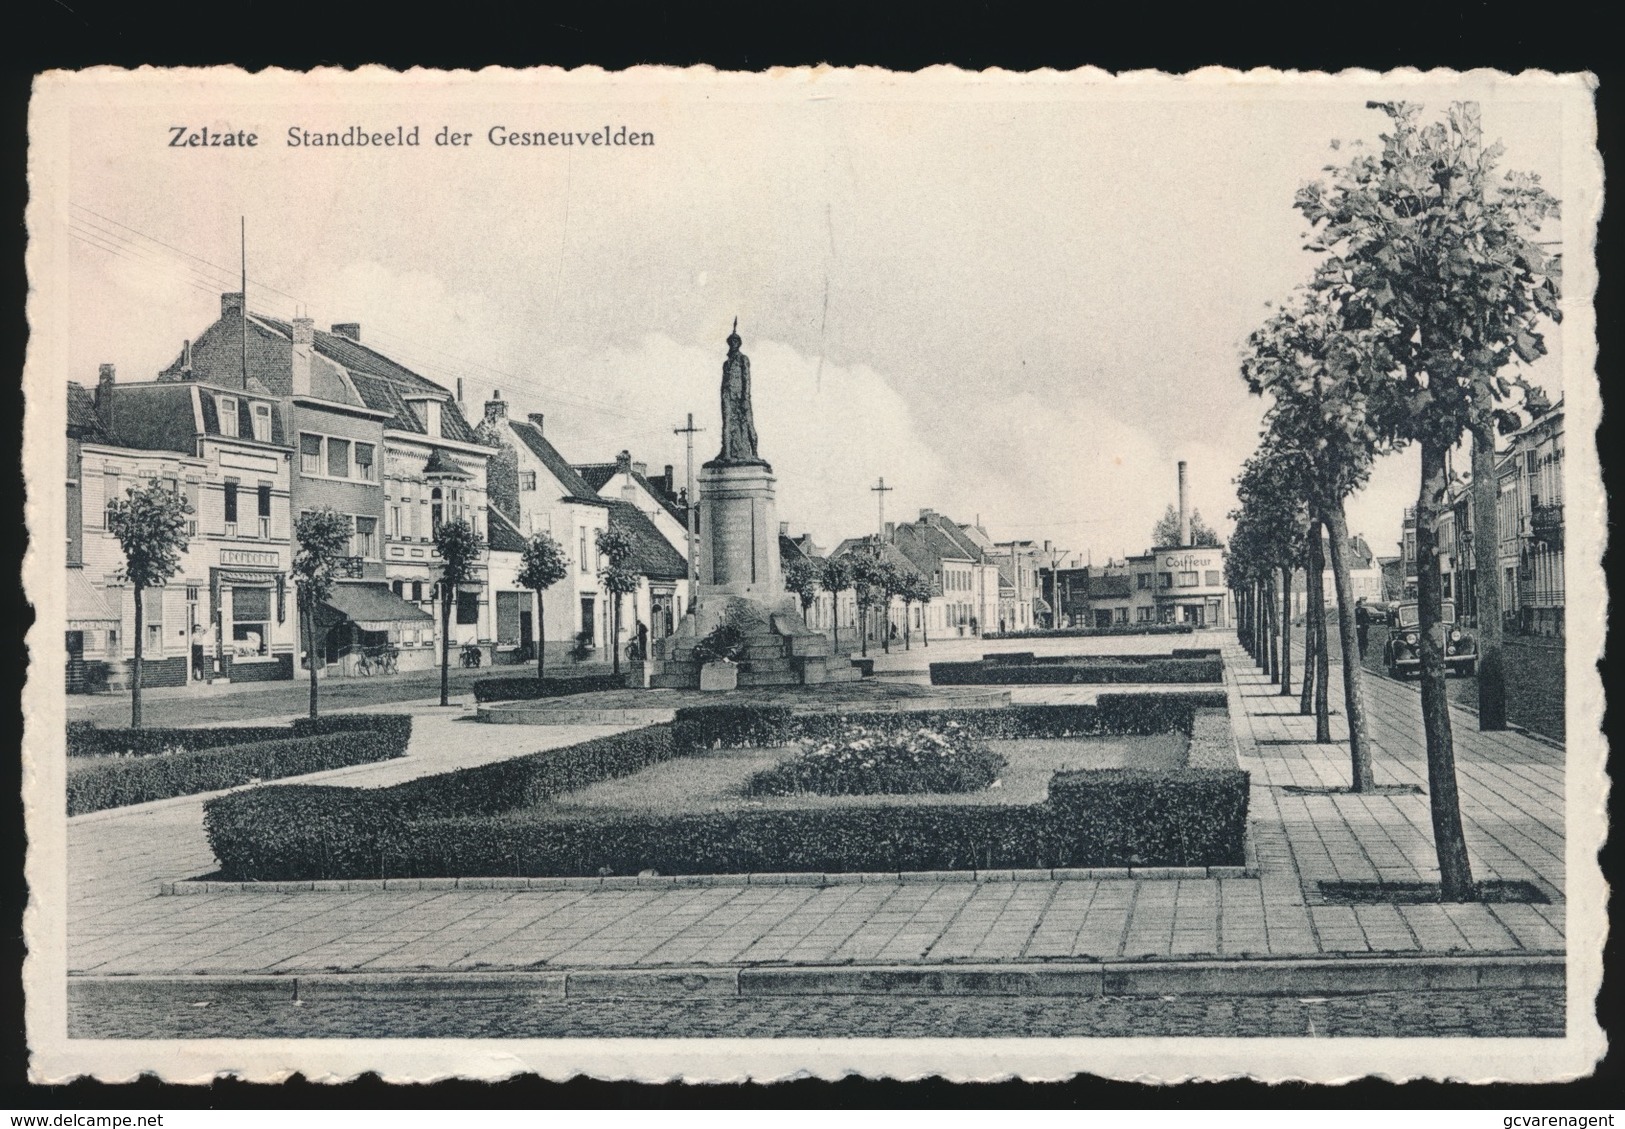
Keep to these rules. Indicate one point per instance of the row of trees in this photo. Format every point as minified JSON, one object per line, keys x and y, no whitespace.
{"x":874,"y":579}
{"x":1430,"y":290}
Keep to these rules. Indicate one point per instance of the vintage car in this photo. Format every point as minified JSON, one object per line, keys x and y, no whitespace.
{"x":1402,"y":653}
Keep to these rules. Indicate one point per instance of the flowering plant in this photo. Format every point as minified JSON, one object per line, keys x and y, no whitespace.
{"x":863,"y":761}
{"x":725,"y":643}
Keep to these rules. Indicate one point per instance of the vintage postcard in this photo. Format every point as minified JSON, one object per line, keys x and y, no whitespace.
{"x":678,"y":574}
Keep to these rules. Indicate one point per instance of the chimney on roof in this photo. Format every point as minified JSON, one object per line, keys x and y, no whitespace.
{"x":784,"y":529}
{"x":623,"y":462}
{"x":349,"y":329}
{"x":496,"y":408}
{"x":304,"y":343}
{"x":536,"y":419}
{"x":231,"y":305}
{"x":927,"y":513}
{"x":891,"y":531}
{"x":1184,"y":509}
{"x":459,"y":393}
{"x":186,"y":360}
{"x":105,"y":375}
{"x":1046,"y":546}
{"x":641,"y":469}
{"x":668,"y":478}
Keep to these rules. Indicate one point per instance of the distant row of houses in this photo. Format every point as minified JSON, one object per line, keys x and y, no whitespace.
{"x":1529,"y":534}
{"x":259,"y":420}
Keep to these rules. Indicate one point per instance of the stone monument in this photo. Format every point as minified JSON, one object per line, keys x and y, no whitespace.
{"x":739,"y":578}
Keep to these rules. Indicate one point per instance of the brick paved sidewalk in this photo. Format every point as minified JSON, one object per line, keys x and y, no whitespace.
{"x":1512,"y":796}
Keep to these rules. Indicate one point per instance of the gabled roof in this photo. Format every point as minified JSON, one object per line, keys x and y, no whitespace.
{"x":1109,"y":587}
{"x":575,"y":487}
{"x":652,"y":554}
{"x":597,"y":475}
{"x":83,"y":422}
{"x":152,"y":417}
{"x":504,"y":535}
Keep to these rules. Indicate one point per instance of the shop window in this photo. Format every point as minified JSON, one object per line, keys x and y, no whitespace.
{"x":468,"y":608}
{"x":250,"y":622}
{"x":338,"y":458}
{"x":364,"y":461}
{"x":310,"y":454}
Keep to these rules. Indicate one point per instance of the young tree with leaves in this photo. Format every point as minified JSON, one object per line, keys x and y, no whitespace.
{"x":321,"y":539}
{"x":1423,"y":241}
{"x":868,"y":588}
{"x":1166,"y":531}
{"x":149,"y":523}
{"x":615,"y":549}
{"x":542,"y":565}
{"x":459,"y":548}
{"x":908,"y":590}
{"x":836,"y":577}
{"x":801,"y":578}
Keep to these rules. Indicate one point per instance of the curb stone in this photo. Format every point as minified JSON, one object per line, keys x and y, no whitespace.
{"x":188,"y":886}
{"x":1351,"y":976}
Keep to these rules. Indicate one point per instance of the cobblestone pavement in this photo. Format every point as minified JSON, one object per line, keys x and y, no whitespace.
{"x":1483,"y":1013}
{"x":1512,"y":798}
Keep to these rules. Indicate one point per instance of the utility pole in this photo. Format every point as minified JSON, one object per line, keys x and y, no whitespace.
{"x":690,"y":510}
{"x":880,"y":490}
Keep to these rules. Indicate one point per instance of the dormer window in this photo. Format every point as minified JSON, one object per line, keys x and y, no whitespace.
{"x":228,"y":415}
{"x":262,"y":422}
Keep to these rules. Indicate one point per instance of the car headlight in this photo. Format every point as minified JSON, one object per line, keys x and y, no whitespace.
{"x":1410,"y":638}
{"x":1455,"y":636}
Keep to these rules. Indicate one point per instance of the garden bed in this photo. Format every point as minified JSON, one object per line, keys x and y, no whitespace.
{"x":1089,"y":632}
{"x":154,"y":770}
{"x":583,"y":810}
{"x":519,"y":689}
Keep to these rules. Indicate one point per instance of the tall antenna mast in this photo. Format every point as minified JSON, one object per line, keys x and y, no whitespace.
{"x":243,"y":250}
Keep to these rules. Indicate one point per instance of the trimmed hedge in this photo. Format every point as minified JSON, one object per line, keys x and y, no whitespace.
{"x":1085,"y":632}
{"x":119,"y":781}
{"x":395,"y":727}
{"x":87,"y":740}
{"x":1161,"y":670}
{"x":1112,"y":818}
{"x":528,"y":689}
{"x":473,"y":822}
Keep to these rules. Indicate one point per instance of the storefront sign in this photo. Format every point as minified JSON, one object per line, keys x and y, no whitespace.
{"x":249,"y":558}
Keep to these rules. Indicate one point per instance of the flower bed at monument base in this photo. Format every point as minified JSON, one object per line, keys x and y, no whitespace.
{"x":496,"y":820}
{"x":865,"y":762}
{"x":308,"y":746}
{"x":1073,"y":670}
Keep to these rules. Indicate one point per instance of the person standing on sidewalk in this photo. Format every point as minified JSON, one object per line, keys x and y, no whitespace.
{"x":1362,"y":623}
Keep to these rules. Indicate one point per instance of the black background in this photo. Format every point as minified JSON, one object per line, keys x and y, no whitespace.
{"x":45,"y":34}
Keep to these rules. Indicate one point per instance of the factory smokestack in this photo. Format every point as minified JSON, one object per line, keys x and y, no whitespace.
{"x":1184,"y":509}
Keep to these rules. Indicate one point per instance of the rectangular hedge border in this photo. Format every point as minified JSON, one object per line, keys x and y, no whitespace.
{"x":1192,"y":817}
{"x":516,"y":689}
{"x":119,"y":782}
{"x":1054,"y":672}
{"x":88,"y":740}
{"x":1086,"y":632}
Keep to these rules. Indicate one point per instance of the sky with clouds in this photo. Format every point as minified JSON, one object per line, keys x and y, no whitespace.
{"x":1021,"y":303}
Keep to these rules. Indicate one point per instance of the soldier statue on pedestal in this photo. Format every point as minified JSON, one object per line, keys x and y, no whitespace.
{"x":738,"y":424}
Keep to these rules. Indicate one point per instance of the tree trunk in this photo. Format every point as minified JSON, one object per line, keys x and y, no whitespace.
{"x":908,"y":628}
{"x":1286,"y":631}
{"x":863,"y":630}
{"x":835,"y":620}
{"x":445,"y":644}
{"x":135,"y":666}
{"x":1492,"y":690}
{"x":541,"y":638}
{"x":615,"y":632}
{"x":1455,"y":872}
{"x":1275,"y":629}
{"x":1261,"y":619}
{"x":1311,"y":635}
{"x":1323,"y":658}
{"x":1360,"y":773}
{"x":925,"y":624}
{"x":307,"y":612}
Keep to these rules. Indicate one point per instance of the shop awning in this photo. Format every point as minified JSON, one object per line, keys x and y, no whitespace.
{"x":371,"y":607}
{"x":87,"y":610}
